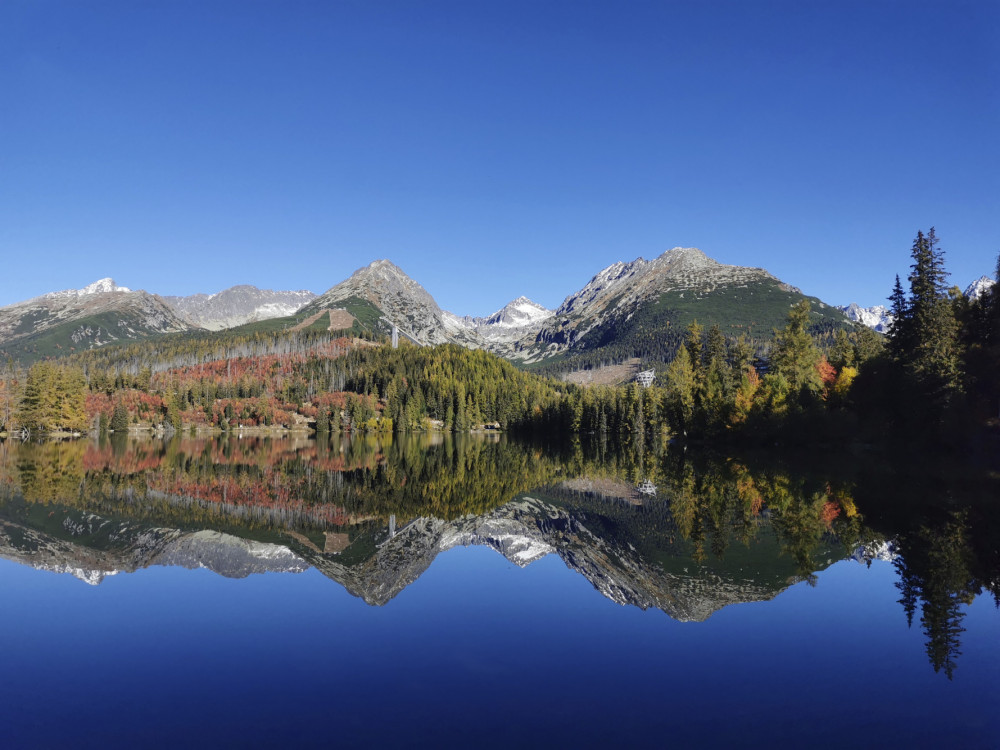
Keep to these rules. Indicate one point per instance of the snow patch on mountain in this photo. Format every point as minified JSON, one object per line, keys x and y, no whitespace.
{"x":876,"y":317}
{"x":88,"y":576}
{"x":885,"y":550}
{"x":979,"y":287}
{"x":124,"y":313}
{"x":101,"y":286}
{"x":510,"y":323}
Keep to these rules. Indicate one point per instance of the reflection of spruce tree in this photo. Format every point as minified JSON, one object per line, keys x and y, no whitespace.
{"x":934,"y":570}
{"x":908,"y":588}
{"x":50,"y":471}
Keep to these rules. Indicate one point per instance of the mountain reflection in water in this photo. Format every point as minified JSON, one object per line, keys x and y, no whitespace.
{"x":646,"y":528}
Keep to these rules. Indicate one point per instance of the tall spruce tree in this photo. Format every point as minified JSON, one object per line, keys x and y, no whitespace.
{"x":930,"y":331}
{"x":899,"y":308}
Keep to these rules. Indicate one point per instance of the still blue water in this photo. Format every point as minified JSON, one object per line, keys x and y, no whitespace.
{"x":478,"y":651}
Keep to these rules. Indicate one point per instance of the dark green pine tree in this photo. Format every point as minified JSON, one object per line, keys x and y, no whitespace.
{"x":899,"y":308}
{"x":931,"y":331}
{"x":119,"y":418}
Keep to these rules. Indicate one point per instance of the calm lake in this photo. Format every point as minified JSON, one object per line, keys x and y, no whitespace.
{"x":481,"y":592}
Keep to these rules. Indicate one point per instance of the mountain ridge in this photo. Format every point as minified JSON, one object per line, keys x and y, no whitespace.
{"x":96,"y":315}
{"x":237,"y":305}
{"x":628,"y":310}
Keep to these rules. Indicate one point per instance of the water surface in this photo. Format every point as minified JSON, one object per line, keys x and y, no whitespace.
{"x":478,"y":591}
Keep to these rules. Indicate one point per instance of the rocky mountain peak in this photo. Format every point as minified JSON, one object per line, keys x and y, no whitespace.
{"x":403,"y":301}
{"x":518,"y":313}
{"x":876,"y":317}
{"x":381,"y":269}
{"x":980,"y":286}
{"x":101,"y":286}
{"x":515,"y":320}
{"x":688,"y":259}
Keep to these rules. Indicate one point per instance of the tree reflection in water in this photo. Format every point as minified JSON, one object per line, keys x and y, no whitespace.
{"x":646,"y":526}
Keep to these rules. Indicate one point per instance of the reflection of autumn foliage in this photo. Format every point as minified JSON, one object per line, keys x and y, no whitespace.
{"x":145,"y":457}
{"x":260,"y":482}
{"x":829,"y":512}
{"x":246,"y":491}
{"x":51,"y":471}
{"x":720,"y":501}
{"x":749,"y":494}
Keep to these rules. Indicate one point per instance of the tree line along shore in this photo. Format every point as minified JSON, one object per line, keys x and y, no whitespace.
{"x":932,"y":376}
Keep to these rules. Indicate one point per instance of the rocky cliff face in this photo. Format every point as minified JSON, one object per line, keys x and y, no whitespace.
{"x":400,"y":299}
{"x":236,"y":306}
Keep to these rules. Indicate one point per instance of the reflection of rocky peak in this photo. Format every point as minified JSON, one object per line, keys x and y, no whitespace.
{"x":879,"y":549}
{"x":99,"y":547}
{"x":515,"y":531}
{"x":229,"y":556}
{"x":96,"y":547}
{"x":593,"y":534}
{"x":527,"y":529}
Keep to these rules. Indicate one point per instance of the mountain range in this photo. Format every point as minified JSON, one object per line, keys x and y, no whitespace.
{"x":637,"y":309}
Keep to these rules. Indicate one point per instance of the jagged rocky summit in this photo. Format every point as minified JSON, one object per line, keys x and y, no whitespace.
{"x":514,"y":321}
{"x":876,"y":317}
{"x":979,"y":287}
{"x":383,"y":291}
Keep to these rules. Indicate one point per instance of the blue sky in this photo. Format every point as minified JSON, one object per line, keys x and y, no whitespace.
{"x":492,"y":149}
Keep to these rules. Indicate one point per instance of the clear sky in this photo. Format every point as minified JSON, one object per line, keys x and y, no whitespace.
{"x":492,"y":149}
